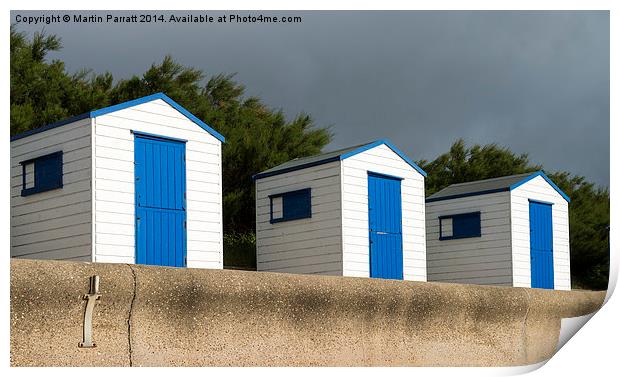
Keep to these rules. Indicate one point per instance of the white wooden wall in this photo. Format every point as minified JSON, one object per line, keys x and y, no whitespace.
{"x":539,"y":189}
{"x":54,"y":224}
{"x":114,"y":183}
{"x":478,"y":260}
{"x":383,"y":160}
{"x":309,"y":246}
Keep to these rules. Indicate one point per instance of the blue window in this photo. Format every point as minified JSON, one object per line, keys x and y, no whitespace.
{"x":291,"y":205}
{"x":41,"y":174}
{"x":462,"y":225}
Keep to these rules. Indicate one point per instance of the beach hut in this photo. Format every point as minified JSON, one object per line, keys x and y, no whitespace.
{"x":357,"y":211}
{"x":510,"y":231}
{"x":137,"y":182}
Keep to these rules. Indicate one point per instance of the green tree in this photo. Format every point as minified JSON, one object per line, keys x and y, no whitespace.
{"x":42,"y":92}
{"x":589,"y":230}
{"x":588,"y":209}
{"x":463,"y":164}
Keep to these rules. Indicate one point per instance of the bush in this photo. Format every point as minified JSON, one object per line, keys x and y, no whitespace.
{"x":240,"y":250}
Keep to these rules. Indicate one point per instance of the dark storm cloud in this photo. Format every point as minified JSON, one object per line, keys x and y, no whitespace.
{"x":537,"y":82}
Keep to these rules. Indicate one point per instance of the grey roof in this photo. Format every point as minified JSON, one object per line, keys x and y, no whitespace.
{"x":340,"y":154}
{"x":479,"y":187}
{"x":311,"y":160}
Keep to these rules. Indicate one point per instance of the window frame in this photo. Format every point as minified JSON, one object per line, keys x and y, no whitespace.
{"x":462,"y":236}
{"x":39,"y":186}
{"x":284,"y":195}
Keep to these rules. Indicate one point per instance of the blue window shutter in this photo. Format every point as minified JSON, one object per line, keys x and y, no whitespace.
{"x":295,"y":205}
{"x":464,"y":225}
{"x":47,"y":173}
{"x":467,"y":225}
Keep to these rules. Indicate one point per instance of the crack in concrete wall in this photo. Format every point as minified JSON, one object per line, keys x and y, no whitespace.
{"x":129,"y":315}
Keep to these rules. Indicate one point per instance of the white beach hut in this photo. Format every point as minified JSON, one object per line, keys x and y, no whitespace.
{"x":509,"y":231}
{"x":138,"y":182}
{"x":357,"y":211}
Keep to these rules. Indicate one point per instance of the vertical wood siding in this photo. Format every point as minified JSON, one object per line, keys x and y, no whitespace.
{"x":477,"y":260}
{"x":114,"y":183}
{"x":385,"y":227}
{"x":311,"y":245}
{"x":54,"y":224}
{"x":355,"y":235}
{"x":539,"y":189}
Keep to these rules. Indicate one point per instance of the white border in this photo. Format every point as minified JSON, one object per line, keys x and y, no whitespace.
{"x":594,"y":351}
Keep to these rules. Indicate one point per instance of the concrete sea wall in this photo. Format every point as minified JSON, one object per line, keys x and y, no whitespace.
{"x":156,"y":316}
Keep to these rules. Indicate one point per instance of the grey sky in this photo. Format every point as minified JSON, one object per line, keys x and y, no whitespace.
{"x":537,"y":82}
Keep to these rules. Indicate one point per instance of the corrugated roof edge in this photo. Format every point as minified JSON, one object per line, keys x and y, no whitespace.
{"x":121,"y":106}
{"x":510,"y":188}
{"x":342,"y":157}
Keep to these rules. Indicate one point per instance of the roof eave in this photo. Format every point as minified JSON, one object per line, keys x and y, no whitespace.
{"x":169,"y":101}
{"x":342,"y":157}
{"x":508,"y":188}
{"x":50,"y":126}
{"x":544,"y":176}
{"x":121,"y":106}
{"x":389,"y":145}
{"x":294,"y":168}
{"x":465,"y":195}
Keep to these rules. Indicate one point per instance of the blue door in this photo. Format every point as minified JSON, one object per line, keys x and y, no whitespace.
{"x":385,"y":227}
{"x":541,"y":245}
{"x":160,"y":201}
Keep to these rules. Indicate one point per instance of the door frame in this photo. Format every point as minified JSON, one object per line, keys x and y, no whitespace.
{"x":167,"y":139}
